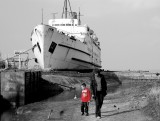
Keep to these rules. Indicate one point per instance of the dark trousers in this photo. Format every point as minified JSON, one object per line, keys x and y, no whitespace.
{"x":84,"y":107}
{"x":99,"y":101}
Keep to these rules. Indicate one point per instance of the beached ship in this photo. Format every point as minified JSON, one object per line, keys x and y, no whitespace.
{"x":65,"y":43}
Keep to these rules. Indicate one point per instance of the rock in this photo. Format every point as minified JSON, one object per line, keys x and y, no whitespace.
{"x":75,"y":97}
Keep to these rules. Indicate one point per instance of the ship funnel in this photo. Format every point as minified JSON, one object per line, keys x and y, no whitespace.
{"x":74,"y":15}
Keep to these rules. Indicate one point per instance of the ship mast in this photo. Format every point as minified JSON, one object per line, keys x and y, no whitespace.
{"x":42,"y":16}
{"x":79,"y":19}
{"x":65,"y":9}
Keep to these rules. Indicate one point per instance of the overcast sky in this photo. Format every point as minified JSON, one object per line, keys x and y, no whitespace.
{"x":129,"y":30}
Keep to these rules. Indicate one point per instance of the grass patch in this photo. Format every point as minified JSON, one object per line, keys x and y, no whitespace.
{"x":153,"y":107}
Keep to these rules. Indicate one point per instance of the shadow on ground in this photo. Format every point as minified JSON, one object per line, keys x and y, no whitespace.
{"x":4,"y":104}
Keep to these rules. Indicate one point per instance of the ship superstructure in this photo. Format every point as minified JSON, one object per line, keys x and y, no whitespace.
{"x":66,"y":44}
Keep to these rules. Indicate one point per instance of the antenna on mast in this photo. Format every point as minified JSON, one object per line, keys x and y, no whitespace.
{"x":42,"y":16}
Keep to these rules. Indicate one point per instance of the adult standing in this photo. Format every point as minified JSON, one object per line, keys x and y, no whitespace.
{"x":99,"y":91}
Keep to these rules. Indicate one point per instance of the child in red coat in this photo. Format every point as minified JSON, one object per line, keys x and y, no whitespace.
{"x":85,"y":98}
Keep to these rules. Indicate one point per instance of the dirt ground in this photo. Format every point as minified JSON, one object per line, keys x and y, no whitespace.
{"x":126,"y":103}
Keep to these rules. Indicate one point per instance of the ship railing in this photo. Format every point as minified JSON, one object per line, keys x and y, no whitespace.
{"x":72,"y":34}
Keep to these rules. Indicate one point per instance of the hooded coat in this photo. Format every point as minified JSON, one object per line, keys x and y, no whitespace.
{"x":93,"y":85}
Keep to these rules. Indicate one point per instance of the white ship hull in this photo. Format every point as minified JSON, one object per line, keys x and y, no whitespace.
{"x":56,"y":50}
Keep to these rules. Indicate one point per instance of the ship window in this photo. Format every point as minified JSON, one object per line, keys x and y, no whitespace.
{"x":51,"y":29}
{"x":68,"y":24}
{"x":73,"y":38}
{"x":32,"y":32}
{"x":62,"y":24}
{"x":56,"y":24}
{"x":52,"y":47}
{"x":87,"y":28}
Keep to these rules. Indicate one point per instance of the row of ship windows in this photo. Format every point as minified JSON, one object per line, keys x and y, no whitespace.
{"x":64,"y":24}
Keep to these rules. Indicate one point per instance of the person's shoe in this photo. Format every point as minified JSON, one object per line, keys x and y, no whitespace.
{"x":82,"y":114}
{"x":87,"y":114}
{"x":98,"y":117}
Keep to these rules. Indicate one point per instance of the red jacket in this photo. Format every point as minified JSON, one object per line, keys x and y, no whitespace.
{"x":85,"y":95}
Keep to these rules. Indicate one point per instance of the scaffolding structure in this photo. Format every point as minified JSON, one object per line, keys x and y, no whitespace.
{"x":19,"y":61}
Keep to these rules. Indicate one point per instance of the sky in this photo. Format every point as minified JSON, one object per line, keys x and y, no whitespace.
{"x":128,"y":30}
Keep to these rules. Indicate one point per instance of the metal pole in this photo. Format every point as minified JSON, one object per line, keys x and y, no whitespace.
{"x":42,"y":16}
{"x":92,"y":53}
{"x":66,"y":9}
{"x":19,"y":61}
